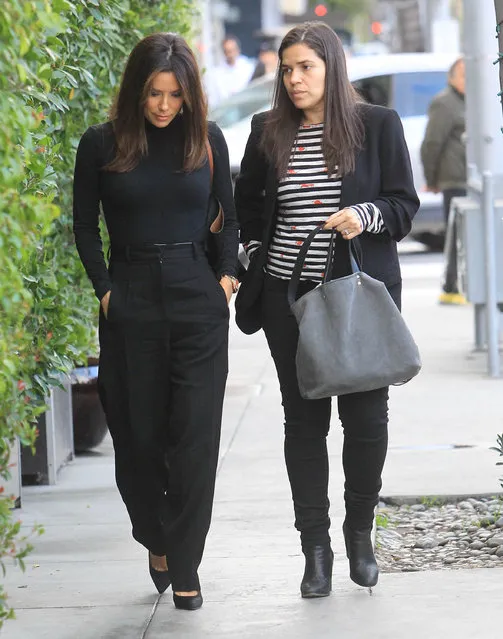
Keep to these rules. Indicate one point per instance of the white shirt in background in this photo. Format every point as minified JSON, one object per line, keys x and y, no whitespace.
{"x":225,"y":80}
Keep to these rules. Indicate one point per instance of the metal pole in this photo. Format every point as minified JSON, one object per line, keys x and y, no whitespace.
{"x":428,"y":12}
{"x":473,"y":135}
{"x":491,"y":151}
{"x":483,"y":113}
{"x":207,"y":36}
{"x":471,"y":47}
{"x":484,"y":148}
{"x":490,"y":270}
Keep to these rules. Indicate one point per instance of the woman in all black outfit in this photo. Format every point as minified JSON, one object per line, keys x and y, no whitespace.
{"x":164,"y":309}
{"x":322,"y":156}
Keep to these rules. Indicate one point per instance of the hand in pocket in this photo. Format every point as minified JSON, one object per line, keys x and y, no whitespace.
{"x":105,"y":301}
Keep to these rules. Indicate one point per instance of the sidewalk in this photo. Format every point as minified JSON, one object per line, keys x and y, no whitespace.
{"x":88,"y":580}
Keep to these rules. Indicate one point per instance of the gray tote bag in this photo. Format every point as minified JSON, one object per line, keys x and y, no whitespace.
{"x":352,"y":337}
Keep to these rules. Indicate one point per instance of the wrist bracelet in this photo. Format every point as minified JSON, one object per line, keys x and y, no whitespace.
{"x":234,"y":282}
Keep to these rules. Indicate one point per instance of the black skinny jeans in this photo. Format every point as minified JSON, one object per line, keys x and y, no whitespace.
{"x":163,"y":369}
{"x":364,"y":418}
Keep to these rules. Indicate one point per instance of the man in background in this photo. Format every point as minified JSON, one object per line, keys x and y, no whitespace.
{"x":232,"y":75}
{"x":443,"y":154}
{"x":267,"y":60}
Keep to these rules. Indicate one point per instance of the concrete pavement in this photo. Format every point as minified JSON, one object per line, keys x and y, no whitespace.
{"x":444,"y":422}
{"x":88,"y":580}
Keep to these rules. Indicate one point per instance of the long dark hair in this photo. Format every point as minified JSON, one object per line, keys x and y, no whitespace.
{"x":158,"y":53}
{"x":343,"y":131}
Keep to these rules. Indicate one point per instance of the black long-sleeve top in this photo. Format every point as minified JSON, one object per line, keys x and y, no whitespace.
{"x":156,"y":202}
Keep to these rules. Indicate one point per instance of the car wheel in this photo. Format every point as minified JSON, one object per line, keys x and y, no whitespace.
{"x":433,"y":241}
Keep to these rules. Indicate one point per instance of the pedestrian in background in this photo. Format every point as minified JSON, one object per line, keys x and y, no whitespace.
{"x":322,"y":156}
{"x":163,"y":309}
{"x":443,"y":154}
{"x":232,"y":75}
{"x":267,"y":60}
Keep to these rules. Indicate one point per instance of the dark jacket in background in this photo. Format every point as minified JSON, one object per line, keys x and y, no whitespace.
{"x":443,"y":151}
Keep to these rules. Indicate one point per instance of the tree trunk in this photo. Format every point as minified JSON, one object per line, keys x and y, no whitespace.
{"x":498,"y":5}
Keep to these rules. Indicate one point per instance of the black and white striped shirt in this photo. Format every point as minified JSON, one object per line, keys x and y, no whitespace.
{"x":307,"y":196}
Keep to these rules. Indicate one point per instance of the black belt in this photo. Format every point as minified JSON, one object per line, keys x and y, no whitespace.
{"x":154,"y":252}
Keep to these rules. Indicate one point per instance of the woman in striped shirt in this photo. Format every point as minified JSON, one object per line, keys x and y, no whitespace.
{"x":322,"y":156}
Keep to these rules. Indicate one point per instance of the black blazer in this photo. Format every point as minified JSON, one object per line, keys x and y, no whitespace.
{"x":383,"y":175}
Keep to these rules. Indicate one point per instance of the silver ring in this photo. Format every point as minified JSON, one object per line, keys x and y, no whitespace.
{"x":346,"y":232}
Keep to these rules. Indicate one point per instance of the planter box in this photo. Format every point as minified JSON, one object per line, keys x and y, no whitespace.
{"x":89,"y":422}
{"x":13,"y":485}
{"x":54,"y":447}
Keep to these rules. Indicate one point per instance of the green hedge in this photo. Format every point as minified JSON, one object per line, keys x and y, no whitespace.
{"x":60,"y":62}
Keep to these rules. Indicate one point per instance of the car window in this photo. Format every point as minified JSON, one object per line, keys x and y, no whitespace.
{"x":255,"y":98}
{"x":413,"y":92}
{"x":376,"y":90}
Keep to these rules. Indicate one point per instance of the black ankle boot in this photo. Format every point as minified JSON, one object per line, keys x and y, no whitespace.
{"x":317,"y":580}
{"x":363,"y":568}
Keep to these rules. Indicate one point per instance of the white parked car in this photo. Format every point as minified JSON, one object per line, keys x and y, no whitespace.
{"x":406,"y":82}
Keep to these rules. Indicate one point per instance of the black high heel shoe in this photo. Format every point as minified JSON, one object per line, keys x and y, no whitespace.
{"x":188,"y":603}
{"x":363,"y":568}
{"x":317,"y":580}
{"x":160,"y":578}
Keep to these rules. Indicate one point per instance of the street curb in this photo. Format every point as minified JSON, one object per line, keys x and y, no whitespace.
{"x":440,"y":500}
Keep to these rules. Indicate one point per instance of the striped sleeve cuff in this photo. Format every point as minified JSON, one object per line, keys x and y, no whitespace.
{"x":370,"y":217}
{"x":251,"y":246}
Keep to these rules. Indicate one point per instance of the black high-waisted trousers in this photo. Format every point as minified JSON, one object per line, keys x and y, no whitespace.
{"x":364,"y":418}
{"x":162,"y":375}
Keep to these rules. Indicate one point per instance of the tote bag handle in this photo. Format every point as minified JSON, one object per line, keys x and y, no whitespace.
{"x":293,"y":285}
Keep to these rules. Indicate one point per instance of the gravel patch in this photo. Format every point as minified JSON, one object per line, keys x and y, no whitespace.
{"x":468,"y":534}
